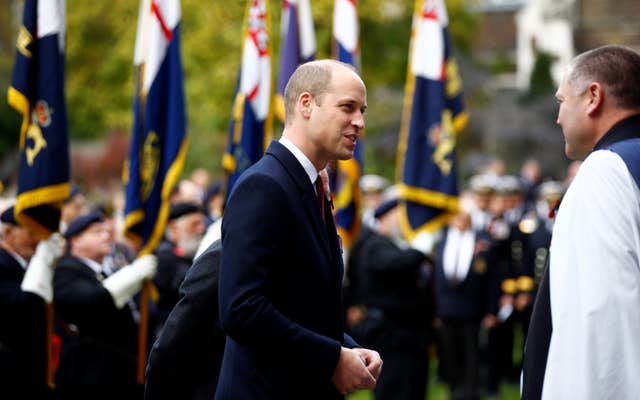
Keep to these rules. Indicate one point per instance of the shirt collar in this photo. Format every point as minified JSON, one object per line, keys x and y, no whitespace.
{"x":18,"y":258}
{"x":626,"y":129}
{"x":95,"y":266}
{"x":302,"y":159}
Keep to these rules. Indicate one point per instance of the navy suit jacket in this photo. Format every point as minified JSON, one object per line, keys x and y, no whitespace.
{"x":280,"y":286}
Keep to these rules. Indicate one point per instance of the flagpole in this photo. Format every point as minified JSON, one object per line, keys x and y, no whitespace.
{"x":143,"y":329}
{"x":49,"y":343}
{"x":143,"y":308}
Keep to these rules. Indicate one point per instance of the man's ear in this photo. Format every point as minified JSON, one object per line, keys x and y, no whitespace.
{"x":171,"y":229}
{"x":595,"y":95}
{"x":305,"y":103}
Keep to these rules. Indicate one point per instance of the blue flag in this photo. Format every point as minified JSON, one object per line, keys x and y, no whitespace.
{"x":158,"y":139}
{"x":345,"y":176}
{"x":297,"y":44}
{"x":249,"y":130}
{"x":37,"y":92}
{"x":432,"y":118}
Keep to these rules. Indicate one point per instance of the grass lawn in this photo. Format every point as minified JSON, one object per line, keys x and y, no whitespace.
{"x":440,"y":391}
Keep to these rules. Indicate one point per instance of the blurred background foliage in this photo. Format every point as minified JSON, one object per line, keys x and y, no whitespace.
{"x":99,"y":72}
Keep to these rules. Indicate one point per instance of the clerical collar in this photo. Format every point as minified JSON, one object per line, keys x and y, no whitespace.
{"x":302,"y":159}
{"x":628,"y":128}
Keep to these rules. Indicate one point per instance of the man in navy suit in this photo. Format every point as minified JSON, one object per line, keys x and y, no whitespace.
{"x":281,"y":271}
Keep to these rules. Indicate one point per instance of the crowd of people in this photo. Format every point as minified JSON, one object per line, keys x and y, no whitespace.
{"x":463,"y":294}
{"x":259,"y":300}
{"x":400,"y":299}
{"x":90,"y":273}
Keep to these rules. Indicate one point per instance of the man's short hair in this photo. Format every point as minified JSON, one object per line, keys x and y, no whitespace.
{"x":617,"y":68}
{"x":313,"y":77}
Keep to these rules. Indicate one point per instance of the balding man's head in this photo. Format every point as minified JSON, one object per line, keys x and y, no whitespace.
{"x":617,"y":68}
{"x":313,"y":77}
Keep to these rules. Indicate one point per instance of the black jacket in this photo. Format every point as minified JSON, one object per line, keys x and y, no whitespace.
{"x":99,"y":341}
{"x":478,"y":293}
{"x":185,"y":360}
{"x":22,"y":335}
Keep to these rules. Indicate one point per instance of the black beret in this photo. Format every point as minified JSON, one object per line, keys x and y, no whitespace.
{"x":390,"y":198}
{"x":214,"y":190}
{"x":184,"y":208}
{"x":385,"y":207}
{"x":7,"y":216}
{"x":78,"y":225}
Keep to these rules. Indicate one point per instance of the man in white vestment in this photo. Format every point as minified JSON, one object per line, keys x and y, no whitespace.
{"x":583,"y":338}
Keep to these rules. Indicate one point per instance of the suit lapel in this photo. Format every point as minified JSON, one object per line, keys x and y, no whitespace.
{"x":10,"y":264}
{"x":306,"y":190}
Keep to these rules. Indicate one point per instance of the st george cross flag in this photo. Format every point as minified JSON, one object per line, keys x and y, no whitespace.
{"x":297,"y":44}
{"x":433,"y":115}
{"x":346,"y":175}
{"x":37,"y":92}
{"x":249,"y":131}
{"x":158,"y":140}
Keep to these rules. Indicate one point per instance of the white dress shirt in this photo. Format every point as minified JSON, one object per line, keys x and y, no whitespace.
{"x":458,"y":254}
{"x":302,"y":159}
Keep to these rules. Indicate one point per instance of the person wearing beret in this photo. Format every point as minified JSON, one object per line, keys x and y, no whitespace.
{"x":26,"y":271}
{"x":214,"y":201}
{"x":371,"y":186}
{"x":95,"y":315}
{"x":74,"y":206}
{"x":214,"y":204}
{"x":175,"y":254}
{"x":398,"y":298}
{"x":184,"y":362}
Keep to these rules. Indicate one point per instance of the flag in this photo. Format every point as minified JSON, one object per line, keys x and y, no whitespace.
{"x":37,"y":92}
{"x":345,"y":177}
{"x":346,"y":32}
{"x":433,"y":115}
{"x":158,"y":139}
{"x":250,"y":127}
{"x":297,"y":44}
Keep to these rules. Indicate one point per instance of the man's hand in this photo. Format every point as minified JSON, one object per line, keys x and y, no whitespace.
{"x":372,"y":360}
{"x":355,"y":315}
{"x":523,"y":300}
{"x":351,"y":373}
{"x":489,"y":321}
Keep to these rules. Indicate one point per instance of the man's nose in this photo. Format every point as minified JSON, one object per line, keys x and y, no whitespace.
{"x":358,"y":121}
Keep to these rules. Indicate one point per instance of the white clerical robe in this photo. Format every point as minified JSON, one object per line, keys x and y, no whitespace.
{"x":594,"y":351}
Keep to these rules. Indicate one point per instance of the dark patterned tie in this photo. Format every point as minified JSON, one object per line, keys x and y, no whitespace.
{"x":320,"y":192}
